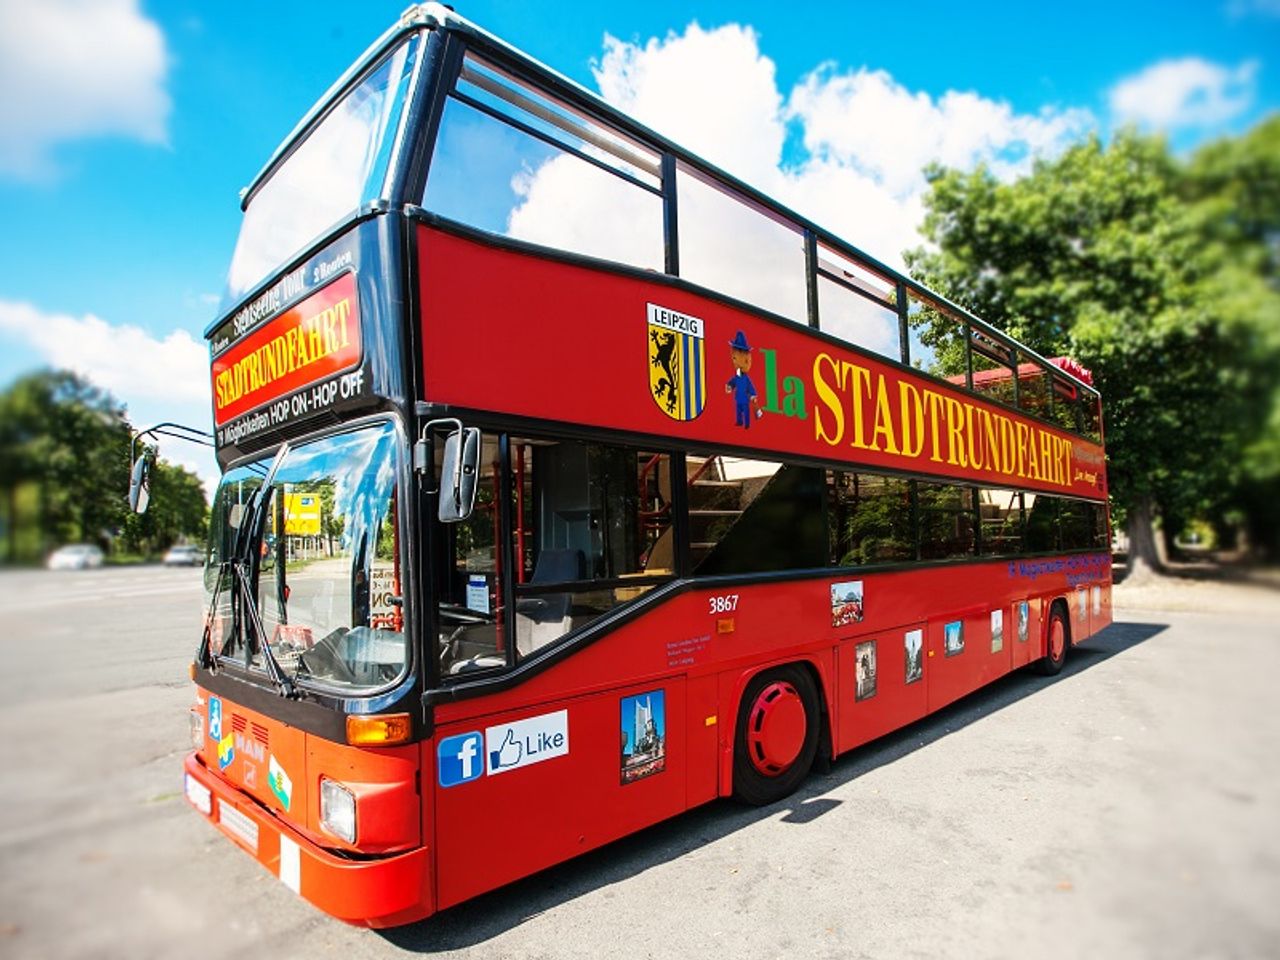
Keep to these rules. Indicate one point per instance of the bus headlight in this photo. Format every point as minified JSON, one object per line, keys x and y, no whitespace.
{"x":197,"y":729}
{"x":338,"y":810}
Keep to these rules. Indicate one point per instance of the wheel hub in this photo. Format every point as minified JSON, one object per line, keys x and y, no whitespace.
{"x":1057,"y":639}
{"x":776,"y":727}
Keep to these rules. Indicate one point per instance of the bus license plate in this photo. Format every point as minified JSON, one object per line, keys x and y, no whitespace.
{"x":238,"y":825}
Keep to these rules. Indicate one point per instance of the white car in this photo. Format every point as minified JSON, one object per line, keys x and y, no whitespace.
{"x":75,"y":556}
{"x":184,"y":555}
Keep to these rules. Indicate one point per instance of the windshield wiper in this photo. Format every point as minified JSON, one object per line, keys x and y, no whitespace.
{"x":282,"y":683}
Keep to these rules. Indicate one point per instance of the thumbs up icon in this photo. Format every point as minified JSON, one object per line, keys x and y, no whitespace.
{"x":508,"y":753}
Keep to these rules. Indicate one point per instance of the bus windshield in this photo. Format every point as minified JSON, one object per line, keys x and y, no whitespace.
{"x":340,"y":164}
{"x":328,"y":580}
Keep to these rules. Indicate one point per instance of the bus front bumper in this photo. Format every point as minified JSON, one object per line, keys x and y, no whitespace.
{"x":386,"y":892}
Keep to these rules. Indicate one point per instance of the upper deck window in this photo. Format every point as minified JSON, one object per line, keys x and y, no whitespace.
{"x":512,"y":160}
{"x":340,"y":164}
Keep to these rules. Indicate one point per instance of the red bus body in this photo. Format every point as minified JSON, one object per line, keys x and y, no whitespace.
{"x":505,"y":333}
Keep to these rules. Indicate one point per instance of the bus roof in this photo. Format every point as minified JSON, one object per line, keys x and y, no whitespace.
{"x":439,"y":16}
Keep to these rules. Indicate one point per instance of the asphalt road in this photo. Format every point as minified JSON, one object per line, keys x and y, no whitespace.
{"x":1127,"y":808}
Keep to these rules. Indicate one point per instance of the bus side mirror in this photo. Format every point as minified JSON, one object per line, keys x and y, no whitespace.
{"x":140,"y":483}
{"x":459,"y":472}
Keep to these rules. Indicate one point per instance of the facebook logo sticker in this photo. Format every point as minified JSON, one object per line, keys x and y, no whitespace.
{"x":460,"y":758}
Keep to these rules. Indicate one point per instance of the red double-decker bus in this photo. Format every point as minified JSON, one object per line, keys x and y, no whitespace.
{"x":570,"y":483}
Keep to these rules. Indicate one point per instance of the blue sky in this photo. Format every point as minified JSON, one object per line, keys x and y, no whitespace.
{"x":130,"y":127}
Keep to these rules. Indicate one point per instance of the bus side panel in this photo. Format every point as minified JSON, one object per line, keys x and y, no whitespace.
{"x":889,"y":701}
{"x":704,"y":721}
{"x":503,"y":824}
{"x":960,"y":667}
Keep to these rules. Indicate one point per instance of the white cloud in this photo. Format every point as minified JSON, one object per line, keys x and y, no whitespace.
{"x":1189,"y":92}
{"x":866,"y":120}
{"x":157,"y":378}
{"x":71,"y":69}
{"x":866,"y":138}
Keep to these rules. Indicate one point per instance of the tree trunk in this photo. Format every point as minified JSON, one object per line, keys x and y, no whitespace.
{"x":1144,"y":554}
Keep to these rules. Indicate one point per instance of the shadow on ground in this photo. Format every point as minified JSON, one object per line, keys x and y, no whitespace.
{"x":478,"y":920}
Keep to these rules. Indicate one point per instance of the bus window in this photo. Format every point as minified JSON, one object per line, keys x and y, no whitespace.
{"x":1091,"y":416}
{"x":470,"y":580}
{"x":1066,"y":404}
{"x":1000,"y":517}
{"x":1042,"y":522}
{"x":514,"y":161}
{"x":946,"y":520}
{"x":594,"y":529}
{"x":329,"y":593}
{"x":1033,"y":386}
{"x":992,"y":367}
{"x":750,"y":516}
{"x":856,"y":305}
{"x":869,"y":519}
{"x":734,"y":247}
{"x":936,"y":340}
{"x":341,"y":164}
{"x":1077,"y":524}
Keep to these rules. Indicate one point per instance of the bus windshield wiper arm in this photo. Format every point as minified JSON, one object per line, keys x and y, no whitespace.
{"x":273,"y":668}
{"x":282,"y":683}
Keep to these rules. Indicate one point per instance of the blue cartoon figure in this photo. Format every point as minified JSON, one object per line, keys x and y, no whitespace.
{"x":740,"y":385}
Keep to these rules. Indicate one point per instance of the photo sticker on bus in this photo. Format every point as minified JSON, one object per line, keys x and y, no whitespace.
{"x":997,"y":631}
{"x":846,"y":603}
{"x":1024,"y":620}
{"x":913,"y":651}
{"x":953,"y":637}
{"x":644,"y":735}
{"x":865,"y":657}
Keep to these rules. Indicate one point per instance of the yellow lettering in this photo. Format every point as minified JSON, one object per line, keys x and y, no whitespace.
{"x":826,"y":395}
{"x":861,"y":384}
{"x":973,"y":437}
{"x":934,"y":401}
{"x":912,"y":412}
{"x":955,"y":427}
{"x":883,"y":426}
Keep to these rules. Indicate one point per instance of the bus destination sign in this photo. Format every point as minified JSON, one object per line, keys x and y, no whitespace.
{"x":312,"y":340}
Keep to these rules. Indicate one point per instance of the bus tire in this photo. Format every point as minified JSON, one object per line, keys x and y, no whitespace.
{"x":777,"y":734}
{"x":1058,"y":639}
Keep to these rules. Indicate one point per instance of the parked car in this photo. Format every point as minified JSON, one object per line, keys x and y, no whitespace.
{"x":184,"y":555}
{"x":75,"y":556}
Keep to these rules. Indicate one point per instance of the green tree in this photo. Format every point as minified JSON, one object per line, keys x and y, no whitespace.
{"x":68,"y":441}
{"x":64,"y":472}
{"x":1131,"y":262}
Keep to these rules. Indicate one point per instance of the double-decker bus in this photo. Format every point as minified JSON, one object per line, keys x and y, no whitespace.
{"x":570,"y":483}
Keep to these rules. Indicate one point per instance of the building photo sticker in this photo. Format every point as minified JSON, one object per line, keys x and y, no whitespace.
{"x":644,"y":735}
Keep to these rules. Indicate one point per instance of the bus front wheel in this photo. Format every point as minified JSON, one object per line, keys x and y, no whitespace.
{"x":1058,"y":639}
{"x":777,"y":735}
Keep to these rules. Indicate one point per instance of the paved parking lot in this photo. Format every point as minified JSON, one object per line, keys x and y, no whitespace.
{"x":1125,"y":808}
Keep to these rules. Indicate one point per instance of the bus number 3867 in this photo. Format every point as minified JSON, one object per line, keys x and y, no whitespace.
{"x":724,"y":604}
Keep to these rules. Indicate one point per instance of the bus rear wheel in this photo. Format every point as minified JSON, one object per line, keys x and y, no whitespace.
{"x":1059,"y":638}
{"x":777,"y":735}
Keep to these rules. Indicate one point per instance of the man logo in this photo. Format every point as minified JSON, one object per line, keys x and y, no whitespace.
{"x":677,"y":363}
{"x":460,"y":758}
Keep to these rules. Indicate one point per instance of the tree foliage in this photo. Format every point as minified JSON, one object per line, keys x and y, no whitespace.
{"x":64,"y":472}
{"x":1156,"y":274}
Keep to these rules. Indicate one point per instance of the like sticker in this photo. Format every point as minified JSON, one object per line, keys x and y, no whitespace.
{"x":514,"y":745}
